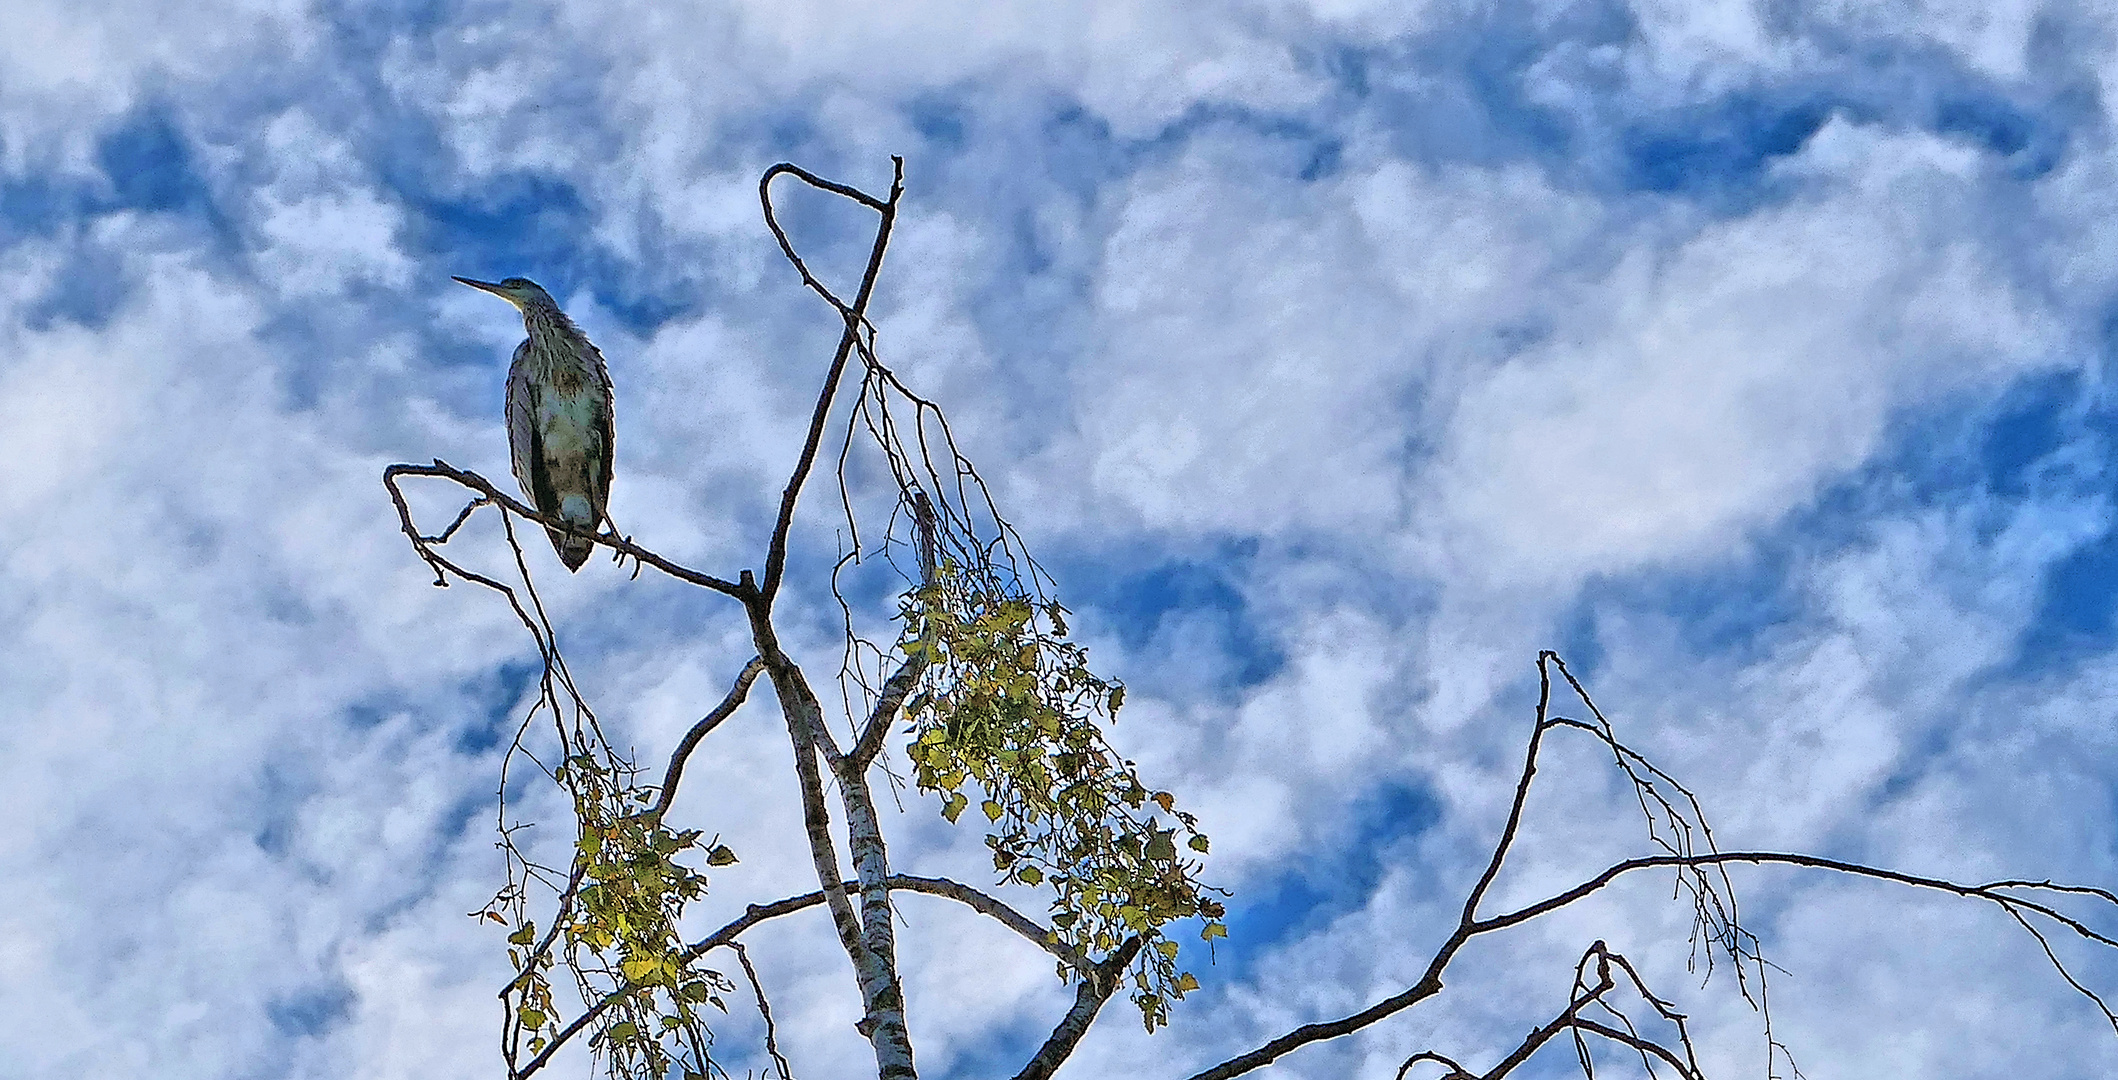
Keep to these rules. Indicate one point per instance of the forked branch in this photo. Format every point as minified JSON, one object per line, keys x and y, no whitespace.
{"x":978,"y":901}
{"x":1674,"y":822}
{"x":856,"y":317}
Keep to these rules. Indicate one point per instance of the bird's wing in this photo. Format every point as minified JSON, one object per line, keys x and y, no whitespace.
{"x":606,"y":432}
{"x":526,"y":456}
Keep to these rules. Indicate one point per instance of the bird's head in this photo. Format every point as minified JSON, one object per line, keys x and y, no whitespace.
{"x":521,"y":292}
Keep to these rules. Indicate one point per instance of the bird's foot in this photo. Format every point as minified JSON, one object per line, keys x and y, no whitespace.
{"x":617,"y":554}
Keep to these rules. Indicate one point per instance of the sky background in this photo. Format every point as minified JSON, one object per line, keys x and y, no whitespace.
{"x":1336,"y":357}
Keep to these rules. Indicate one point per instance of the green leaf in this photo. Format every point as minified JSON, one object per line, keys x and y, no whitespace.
{"x":1212,"y":930}
{"x":639,"y":969}
{"x":1167,"y":948}
{"x":1198,"y":843}
{"x":524,"y":936}
{"x":1160,"y":847}
{"x":623,"y":1030}
{"x":531,"y":1018}
{"x":1186,"y":983}
{"x":992,"y":810}
{"x":1029,"y":875}
{"x":953,"y":805}
{"x":720,"y":855}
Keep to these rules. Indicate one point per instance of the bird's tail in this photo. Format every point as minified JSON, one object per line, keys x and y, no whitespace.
{"x":573,"y":550}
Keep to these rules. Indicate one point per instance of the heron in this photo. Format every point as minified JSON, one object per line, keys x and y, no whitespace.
{"x":558,"y":417}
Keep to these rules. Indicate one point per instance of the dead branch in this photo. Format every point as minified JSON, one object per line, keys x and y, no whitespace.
{"x":981,"y":902}
{"x":700,"y":730}
{"x":1712,"y":894}
{"x":855,"y":316}
{"x":764,"y":1009}
{"x":491,"y":495}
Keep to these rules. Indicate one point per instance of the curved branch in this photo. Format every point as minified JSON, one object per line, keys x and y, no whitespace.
{"x":1567,"y":1018}
{"x":776,"y":554}
{"x":757,"y":913}
{"x":1427,"y":987}
{"x":1645,"y":1046}
{"x":1430,"y":984}
{"x":992,"y":907}
{"x":1522,"y":792}
{"x":698,"y":731}
{"x":507,"y":503}
{"x":1456,"y":1069}
{"x":1989,"y":891}
{"x":1469,"y":926}
{"x":1095,"y":989}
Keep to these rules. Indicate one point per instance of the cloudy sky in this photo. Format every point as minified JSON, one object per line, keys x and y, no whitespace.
{"x":1336,"y":356}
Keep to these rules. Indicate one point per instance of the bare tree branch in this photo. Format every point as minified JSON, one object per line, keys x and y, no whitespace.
{"x":424,"y":545}
{"x":884,"y":714}
{"x":764,"y":1009}
{"x":1456,"y":1070}
{"x":698,"y":731}
{"x":1600,"y":960}
{"x":1643,"y":1045}
{"x":1994,"y":892}
{"x":1567,"y":1018}
{"x":757,"y":913}
{"x":776,"y":553}
{"x":1097,"y":986}
{"x":900,"y":683}
{"x":1713,"y":899}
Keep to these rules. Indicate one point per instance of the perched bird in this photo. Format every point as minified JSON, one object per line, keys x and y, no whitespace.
{"x":558,"y":417}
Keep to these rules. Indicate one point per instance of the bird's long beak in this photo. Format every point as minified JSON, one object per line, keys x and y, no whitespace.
{"x":494,"y":289}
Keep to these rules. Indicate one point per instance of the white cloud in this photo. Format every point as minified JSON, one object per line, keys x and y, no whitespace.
{"x":1451,"y":407}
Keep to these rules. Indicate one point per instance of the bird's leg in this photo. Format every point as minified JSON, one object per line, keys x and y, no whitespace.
{"x":610,"y":529}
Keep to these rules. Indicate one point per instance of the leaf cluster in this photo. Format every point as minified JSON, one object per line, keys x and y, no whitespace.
{"x":619,"y":932}
{"x":1007,"y":705}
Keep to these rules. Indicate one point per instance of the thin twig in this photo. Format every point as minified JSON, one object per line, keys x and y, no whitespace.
{"x":764,"y":1009}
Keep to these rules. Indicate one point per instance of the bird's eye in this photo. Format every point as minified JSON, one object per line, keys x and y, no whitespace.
{"x":514,"y":283}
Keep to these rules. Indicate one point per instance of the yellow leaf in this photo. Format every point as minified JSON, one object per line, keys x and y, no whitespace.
{"x":992,"y":810}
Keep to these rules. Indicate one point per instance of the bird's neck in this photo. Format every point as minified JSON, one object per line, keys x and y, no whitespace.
{"x":551,"y":333}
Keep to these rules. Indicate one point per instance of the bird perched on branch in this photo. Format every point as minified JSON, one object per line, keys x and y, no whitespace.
{"x":558,"y":417}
